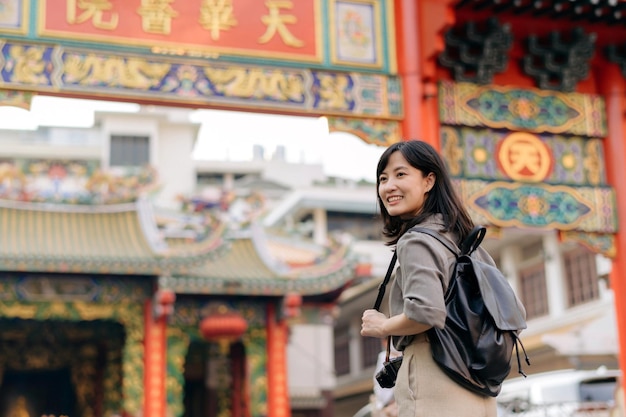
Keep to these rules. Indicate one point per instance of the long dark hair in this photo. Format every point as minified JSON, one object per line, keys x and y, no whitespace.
{"x":442,"y":198}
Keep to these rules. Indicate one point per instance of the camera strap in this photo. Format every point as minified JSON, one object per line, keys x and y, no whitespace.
{"x":381,"y":294}
{"x":383,"y":285}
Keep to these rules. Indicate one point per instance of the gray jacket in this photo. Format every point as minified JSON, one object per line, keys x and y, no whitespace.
{"x":421,"y":278}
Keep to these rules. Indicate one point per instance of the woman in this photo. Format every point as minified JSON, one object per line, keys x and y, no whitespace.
{"x":415,"y":188}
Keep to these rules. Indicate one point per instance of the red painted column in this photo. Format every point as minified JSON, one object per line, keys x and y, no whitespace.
{"x":420,"y":27}
{"x":155,"y":343}
{"x":277,"y":384}
{"x":613,"y":87}
{"x":407,"y":47}
{"x":431,"y":16}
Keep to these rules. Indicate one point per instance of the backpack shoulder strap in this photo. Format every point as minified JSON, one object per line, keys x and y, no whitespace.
{"x":437,"y":236}
{"x":469,"y":244}
{"x":473,"y":240}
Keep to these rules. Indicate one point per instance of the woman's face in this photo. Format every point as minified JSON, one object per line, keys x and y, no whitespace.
{"x":402,"y":188}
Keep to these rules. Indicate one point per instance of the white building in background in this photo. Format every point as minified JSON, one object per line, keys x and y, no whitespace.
{"x":303,"y":211}
{"x":564,"y":287}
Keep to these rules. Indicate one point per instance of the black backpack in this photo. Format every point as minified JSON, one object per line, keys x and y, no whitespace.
{"x":484,"y":318}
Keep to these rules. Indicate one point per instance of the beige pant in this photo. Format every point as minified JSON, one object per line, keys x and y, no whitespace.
{"x":423,"y":390}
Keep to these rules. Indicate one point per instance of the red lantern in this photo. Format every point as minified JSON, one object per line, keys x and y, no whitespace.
{"x":165,"y":297}
{"x":291,"y":305}
{"x":293,"y":300}
{"x":164,"y":303}
{"x":223,"y":326}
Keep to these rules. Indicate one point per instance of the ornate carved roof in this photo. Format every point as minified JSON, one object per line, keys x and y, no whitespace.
{"x":110,"y":239}
{"x":248,"y":267}
{"x":124,"y":239}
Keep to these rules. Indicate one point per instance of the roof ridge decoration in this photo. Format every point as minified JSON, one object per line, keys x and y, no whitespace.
{"x":224,"y":205}
{"x":99,"y":239}
{"x":69,"y":181}
{"x":259,"y":240}
{"x":246,"y":270}
{"x":66,"y":207}
{"x":146,"y":217}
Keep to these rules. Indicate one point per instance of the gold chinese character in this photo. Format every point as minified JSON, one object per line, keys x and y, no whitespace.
{"x":524,"y":157}
{"x":157,"y":16}
{"x":94,"y":10}
{"x":216,"y":15}
{"x":275,"y":22}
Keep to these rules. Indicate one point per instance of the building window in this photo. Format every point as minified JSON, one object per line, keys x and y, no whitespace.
{"x":361,"y":226}
{"x":581,"y":276}
{"x":371,"y":347}
{"x":210,"y":179}
{"x":533,"y":290}
{"x":342,"y":351}
{"x":129,"y":151}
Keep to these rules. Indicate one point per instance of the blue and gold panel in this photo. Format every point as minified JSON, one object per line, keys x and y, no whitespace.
{"x":541,"y":206}
{"x":26,"y":66}
{"x":487,"y":154}
{"x":530,"y":110}
{"x":89,"y":73}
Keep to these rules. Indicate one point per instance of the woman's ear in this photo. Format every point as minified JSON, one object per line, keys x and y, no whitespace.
{"x":431,"y":178}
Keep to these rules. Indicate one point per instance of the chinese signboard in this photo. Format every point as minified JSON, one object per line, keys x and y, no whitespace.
{"x":334,"y":58}
{"x":280,"y":28}
{"x":348,"y":34}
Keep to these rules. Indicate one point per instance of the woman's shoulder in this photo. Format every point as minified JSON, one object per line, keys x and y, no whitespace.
{"x":434,"y":223}
{"x":414,"y":240}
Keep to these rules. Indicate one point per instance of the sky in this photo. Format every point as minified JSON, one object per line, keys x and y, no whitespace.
{"x":225,"y":135}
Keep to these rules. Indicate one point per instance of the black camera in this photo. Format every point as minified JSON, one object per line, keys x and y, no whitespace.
{"x":386,"y":377}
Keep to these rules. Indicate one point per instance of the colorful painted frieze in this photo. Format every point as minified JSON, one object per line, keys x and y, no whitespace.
{"x":30,"y":66}
{"x":529,"y":158}
{"x":519,"y":109}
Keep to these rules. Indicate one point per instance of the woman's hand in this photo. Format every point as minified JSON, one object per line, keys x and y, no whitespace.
{"x":372,"y":324}
{"x":376,"y":324}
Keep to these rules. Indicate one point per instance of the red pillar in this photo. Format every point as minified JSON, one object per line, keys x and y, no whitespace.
{"x":420,"y":30}
{"x":613,"y":87}
{"x":277,"y":388}
{"x":155,"y":343}
{"x":407,"y":46}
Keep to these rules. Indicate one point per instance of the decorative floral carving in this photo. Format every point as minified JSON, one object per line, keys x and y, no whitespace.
{"x":71,"y":182}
